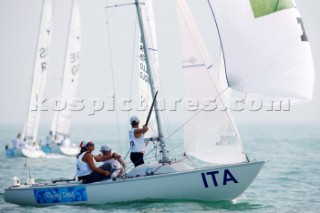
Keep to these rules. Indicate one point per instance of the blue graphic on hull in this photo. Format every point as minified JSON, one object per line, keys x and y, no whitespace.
{"x":46,"y":149}
{"x":9,"y":153}
{"x":61,"y":195}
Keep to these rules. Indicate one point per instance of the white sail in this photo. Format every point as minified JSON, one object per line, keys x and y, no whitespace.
{"x":266,"y":48}
{"x":144,"y":86}
{"x":62,"y":119}
{"x":40,"y":73}
{"x":210,"y":134}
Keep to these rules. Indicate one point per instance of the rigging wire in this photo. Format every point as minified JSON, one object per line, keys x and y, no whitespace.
{"x":25,"y":166}
{"x":221,"y":43}
{"x":113,"y":11}
{"x":111,"y":66}
{"x":131,"y":75}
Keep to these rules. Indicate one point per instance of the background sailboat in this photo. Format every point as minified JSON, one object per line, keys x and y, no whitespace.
{"x":58,"y":140}
{"x":29,"y":145}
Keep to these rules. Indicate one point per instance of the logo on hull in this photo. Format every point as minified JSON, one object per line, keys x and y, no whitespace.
{"x":61,"y":195}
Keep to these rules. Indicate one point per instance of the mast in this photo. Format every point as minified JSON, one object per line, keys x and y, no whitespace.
{"x":165,"y":158}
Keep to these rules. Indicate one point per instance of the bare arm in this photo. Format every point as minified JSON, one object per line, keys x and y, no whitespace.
{"x":138,"y":132}
{"x":88,"y":157}
{"x":123,"y":164}
{"x":100,"y":158}
{"x":119,"y":159}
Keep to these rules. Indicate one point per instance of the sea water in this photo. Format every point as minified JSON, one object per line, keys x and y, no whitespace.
{"x":289,"y":181}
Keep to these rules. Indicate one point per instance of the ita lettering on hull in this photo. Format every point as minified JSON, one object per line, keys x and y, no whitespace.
{"x":209,"y":177}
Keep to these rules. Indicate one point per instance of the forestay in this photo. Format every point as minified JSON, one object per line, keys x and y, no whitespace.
{"x":40,"y":73}
{"x":209,"y":131}
{"x":144,"y":79}
{"x":62,"y":119}
{"x":266,"y":48}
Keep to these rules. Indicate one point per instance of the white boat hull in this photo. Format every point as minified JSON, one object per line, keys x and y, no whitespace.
{"x":209,"y":184}
{"x":69,"y":150}
{"x":66,"y":148}
{"x":31,"y":152}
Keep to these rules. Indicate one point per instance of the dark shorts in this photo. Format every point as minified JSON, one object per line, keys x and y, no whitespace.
{"x":137,"y":158}
{"x":96,"y":177}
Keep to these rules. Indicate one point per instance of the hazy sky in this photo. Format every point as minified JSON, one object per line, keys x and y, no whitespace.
{"x":19,"y":21}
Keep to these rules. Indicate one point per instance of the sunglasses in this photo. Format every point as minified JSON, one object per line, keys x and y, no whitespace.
{"x":90,"y":144}
{"x":103,"y":151}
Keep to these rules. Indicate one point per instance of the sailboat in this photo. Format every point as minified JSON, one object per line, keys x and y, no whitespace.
{"x":28,"y":145}
{"x":58,"y":140}
{"x":214,"y":139}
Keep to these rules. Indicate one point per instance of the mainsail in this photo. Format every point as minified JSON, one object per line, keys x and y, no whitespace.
{"x":210,"y":134}
{"x":266,"y":49}
{"x":62,"y":119}
{"x":144,"y":84}
{"x":40,"y":73}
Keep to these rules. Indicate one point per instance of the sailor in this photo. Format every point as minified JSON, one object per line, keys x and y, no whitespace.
{"x":137,"y":145}
{"x":117,"y":164}
{"x":86,"y":168}
{"x":49,"y":138}
{"x":17,"y":142}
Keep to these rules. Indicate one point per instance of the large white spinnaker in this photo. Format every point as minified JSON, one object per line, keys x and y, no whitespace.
{"x":40,"y":73}
{"x":144,"y":84}
{"x":266,"y":49}
{"x":210,"y":134}
{"x":62,"y":119}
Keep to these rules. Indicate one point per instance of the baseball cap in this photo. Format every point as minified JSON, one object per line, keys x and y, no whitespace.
{"x":83,"y":144}
{"x":105,"y":147}
{"x":134,"y":119}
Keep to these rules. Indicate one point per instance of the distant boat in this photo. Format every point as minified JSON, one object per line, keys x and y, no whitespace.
{"x":58,"y":140}
{"x":28,"y":144}
{"x":273,"y":59}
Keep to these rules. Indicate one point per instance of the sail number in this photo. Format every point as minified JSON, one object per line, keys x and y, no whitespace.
{"x":43,"y":53}
{"x":132,"y":144}
{"x":143,"y":67}
{"x":208,"y":176}
{"x":143,"y":72}
{"x":74,"y":61}
{"x":304,"y":36}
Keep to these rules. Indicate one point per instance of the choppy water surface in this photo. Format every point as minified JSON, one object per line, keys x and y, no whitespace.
{"x":289,"y":181}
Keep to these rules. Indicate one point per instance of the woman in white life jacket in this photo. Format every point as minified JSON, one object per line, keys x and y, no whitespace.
{"x":87,"y":171}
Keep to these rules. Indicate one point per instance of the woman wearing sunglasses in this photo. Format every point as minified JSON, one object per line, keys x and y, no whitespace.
{"x":86,"y":168}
